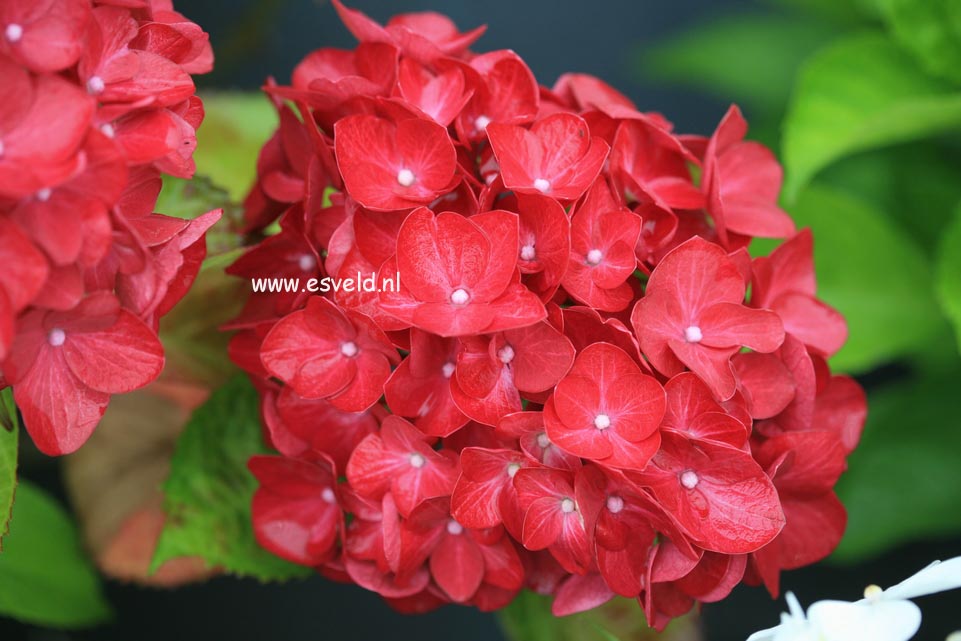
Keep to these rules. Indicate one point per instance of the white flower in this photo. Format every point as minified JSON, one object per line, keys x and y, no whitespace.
{"x":882,"y":615}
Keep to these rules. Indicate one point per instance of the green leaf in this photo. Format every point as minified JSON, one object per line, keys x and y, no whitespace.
{"x":9,"y":433}
{"x":748,"y":58}
{"x":904,"y":480}
{"x":931,"y":30}
{"x":208,"y":493}
{"x":949,"y":273}
{"x":872,"y":272}
{"x":917,"y":184}
{"x":45,"y":578}
{"x":529,"y":618}
{"x":860,"y":93}
{"x":235,"y":127}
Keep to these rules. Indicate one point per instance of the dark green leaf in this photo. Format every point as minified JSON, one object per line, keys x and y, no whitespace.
{"x":931,"y":30}
{"x":949,"y":273}
{"x":860,"y":93}
{"x":9,"y":432}
{"x":872,"y":272}
{"x":916,"y":184}
{"x":904,"y":480}
{"x":208,"y":493}
{"x":45,"y":578}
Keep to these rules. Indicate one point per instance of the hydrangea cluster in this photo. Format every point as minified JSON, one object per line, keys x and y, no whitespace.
{"x":583,"y":384}
{"x":98,"y":100}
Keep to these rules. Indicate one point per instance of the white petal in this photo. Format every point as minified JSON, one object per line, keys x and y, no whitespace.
{"x":881,"y":621}
{"x":937,"y":577}
{"x":767,"y":635}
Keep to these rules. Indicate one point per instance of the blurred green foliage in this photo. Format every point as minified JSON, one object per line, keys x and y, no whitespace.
{"x":45,"y":575}
{"x":862,"y":98}
{"x":9,"y":435}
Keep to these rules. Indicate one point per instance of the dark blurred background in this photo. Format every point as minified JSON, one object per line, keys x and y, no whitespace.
{"x":256,"y":38}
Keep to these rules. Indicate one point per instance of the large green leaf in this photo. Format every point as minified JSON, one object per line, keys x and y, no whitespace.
{"x":9,"y":433}
{"x":949,"y":273}
{"x":235,"y":127}
{"x":749,"y":58}
{"x":873,"y":273}
{"x":918,"y":184}
{"x":931,"y":30}
{"x":208,"y":493}
{"x":860,"y":93}
{"x":904,"y":480}
{"x":45,"y":579}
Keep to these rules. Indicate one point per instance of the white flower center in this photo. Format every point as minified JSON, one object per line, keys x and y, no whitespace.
{"x":505,"y":354}
{"x":459,"y":296}
{"x":542,"y":440}
{"x":348,"y":349}
{"x":602,"y":421}
{"x":447,"y":370}
{"x":306,"y":262}
{"x":615,"y":504}
{"x":417,"y":461}
{"x":482,"y":122}
{"x":455,"y":528}
{"x":405,"y":177}
{"x":528,"y":253}
{"x":328,"y":495}
{"x":56,"y":337}
{"x":542,"y":185}
{"x":567,"y":506}
{"x":44,"y":194}
{"x":689,"y":479}
{"x":512,"y":469}
{"x":873,"y":592}
{"x":594,"y":257}
{"x":14,"y":32}
{"x":693,"y":334}
{"x":95,"y":85}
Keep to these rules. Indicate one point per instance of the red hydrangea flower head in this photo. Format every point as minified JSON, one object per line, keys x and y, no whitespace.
{"x":98,"y":102}
{"x":580,"y":383}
